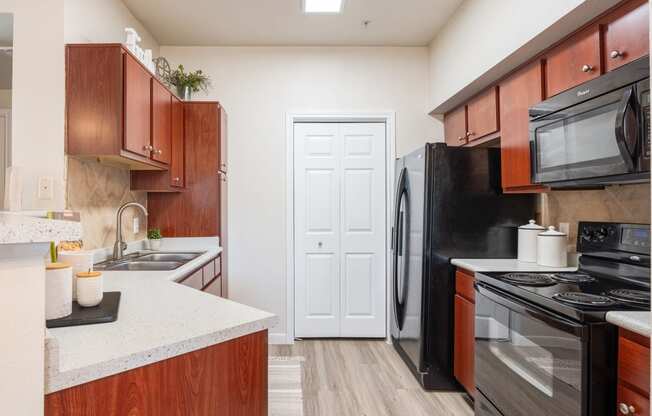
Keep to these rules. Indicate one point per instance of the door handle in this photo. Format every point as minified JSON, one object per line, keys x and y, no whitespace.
{"x":626,"y":144}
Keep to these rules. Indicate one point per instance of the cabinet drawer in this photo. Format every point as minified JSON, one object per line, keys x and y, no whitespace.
{"x":194,"y":280}
{"x":573,"y":62}
{"x":209,"y":272}
{"x":634,"y":362}
{"x":482,"y":114}
{"x":215,"y":287}
{"x":464,"y":284}
{"x":632,"y":401}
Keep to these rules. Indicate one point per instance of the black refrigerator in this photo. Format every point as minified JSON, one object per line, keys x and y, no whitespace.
{"x":448,"y":204}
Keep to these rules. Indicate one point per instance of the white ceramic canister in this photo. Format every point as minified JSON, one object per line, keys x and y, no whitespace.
{"x":551,"y":248}
{"x":527,"y":241}
{"x":58,"y":290}
{"x":90,"y":290}
{"x":81,"y":261}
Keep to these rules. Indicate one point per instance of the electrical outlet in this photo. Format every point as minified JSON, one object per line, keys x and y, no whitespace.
{"x":45,"y":188}
{"x":136,"y":225}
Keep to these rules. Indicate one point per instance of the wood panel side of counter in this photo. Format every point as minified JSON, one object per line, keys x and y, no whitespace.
{"x":225,"y":379}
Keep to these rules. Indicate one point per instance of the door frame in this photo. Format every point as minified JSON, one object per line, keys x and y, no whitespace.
{"x":387,"y":117}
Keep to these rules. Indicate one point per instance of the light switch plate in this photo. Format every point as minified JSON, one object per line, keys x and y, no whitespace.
{"x":136,"y":225}
{"x":45,"y":188}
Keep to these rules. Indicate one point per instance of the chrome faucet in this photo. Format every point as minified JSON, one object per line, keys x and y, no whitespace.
{"x":120,"y":245}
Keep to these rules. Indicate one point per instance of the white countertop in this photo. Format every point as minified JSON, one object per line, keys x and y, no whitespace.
{"x":505,"y":265}
{"x":638,"y":322}
{"x":158,"y":319}
{"x":18,"y":228}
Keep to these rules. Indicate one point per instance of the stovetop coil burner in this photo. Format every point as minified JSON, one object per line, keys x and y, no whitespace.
{"x":529,"y":279}
{"x":584,"y":299}
{"x":638,"y":297}
{"x":573,"y":277}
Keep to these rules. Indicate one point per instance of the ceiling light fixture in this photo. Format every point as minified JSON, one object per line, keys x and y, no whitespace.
{"x":322,"y":6}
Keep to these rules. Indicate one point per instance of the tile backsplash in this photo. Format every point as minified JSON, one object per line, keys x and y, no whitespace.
{"x":97,"y":191}
{"x":624,"y":203}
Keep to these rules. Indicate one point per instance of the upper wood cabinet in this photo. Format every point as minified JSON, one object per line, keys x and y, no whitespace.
{"x":161,"y":123}
{"x":455,"y":127}
{"x":626,"y":34}
{"x":574,"y":61}
{"x":109,"y":109}
{"x":177,"y":166}
{"x":482,"y":115}
{"x":517,"y":94}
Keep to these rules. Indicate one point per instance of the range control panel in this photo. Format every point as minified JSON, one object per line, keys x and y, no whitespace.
{"x":610,"y":236}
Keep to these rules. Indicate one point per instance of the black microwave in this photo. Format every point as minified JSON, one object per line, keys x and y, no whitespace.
{"x":595,"y":134}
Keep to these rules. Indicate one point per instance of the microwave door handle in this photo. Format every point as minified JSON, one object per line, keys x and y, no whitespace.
{"x":621,"y":139}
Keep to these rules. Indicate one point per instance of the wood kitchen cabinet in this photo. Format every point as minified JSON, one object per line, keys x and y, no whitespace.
{"x":518,"y":93}
{"x":455,"y":127}
{"x":227,"y":379}
{"x":633,"y":390}
{"x":177,"y":165}
{"x":482,"y":115}
{"x":574,"y":61}
{"x":626,"y":34}
{"x":110,"y":114}
{"x":464,"y":325}
{"x":161,"y":122}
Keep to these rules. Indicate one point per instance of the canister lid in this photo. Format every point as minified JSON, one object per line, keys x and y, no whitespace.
{"x":531,"y":226}
{"x":56,"y":266}
{"x":552,"y":233}
{"x":83,"y":275}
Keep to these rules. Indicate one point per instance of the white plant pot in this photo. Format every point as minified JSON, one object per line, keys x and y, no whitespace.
{"x":155,"y":244}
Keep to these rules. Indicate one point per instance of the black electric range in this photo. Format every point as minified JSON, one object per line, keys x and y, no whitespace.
{"x":544,"y":335}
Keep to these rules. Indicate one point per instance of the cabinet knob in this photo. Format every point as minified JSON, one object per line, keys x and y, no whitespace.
{"x":615,"y":54}
{"x":469,"y":133}
{"x":626,"y":409}
{"x":177,"y":179}
{"x":148,"y":148}
{"x":158,"y":151}
{"x":460,"y":139}
{"x":587,"y":68}
{"x":320,"y":244}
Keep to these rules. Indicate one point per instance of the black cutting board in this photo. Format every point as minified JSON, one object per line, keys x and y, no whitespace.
{"x":105,"y":312}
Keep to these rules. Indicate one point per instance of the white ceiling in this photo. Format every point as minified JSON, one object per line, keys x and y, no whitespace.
{"x":282,"y":22}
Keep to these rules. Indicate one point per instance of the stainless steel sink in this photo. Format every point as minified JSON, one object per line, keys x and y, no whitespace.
{"x":148,"y":260}
{"x":184,"y":257}
{"x":145,"y":265}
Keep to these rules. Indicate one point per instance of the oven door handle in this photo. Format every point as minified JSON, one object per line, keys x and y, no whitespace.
{"x":626,"y":145}
{"x":520,"y":307}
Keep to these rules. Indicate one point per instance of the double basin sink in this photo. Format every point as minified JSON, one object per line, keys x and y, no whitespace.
{"x":148,"y":261}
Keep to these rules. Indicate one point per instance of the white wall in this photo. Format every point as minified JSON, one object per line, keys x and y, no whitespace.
{"x":38,"y":96}
{"x":258,"y":86}
{"x":102,"y":21}
{"x":5,"y":98}
{"x":485,"y":39}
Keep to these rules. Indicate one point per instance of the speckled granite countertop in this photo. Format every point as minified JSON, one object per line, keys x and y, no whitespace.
{"x":505,"y":265}
{"x":158,"y":319}
{"x":17,"y":228}
{"x":638,"y":322}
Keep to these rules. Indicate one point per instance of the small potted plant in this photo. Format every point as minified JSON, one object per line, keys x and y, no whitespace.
{"x":188,"y":82}
{"x":154,"y":237}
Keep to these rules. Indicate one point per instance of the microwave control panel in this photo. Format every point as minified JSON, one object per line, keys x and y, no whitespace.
{"x":645,"y":107}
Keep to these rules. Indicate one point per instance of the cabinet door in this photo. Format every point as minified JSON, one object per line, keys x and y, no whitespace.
{"x":177,"y":177}
{"x":482,"y":114}
{"x":626,"y":34}
{"x":215,"y":287}
{"x":635,"y":403}
{"x":464,"y":361}
{"x":455,"y":127}
{"x":137,"y":107}
{"x":518,"y":93}
{"x":573,"y":62}
{"x":161,"y":122}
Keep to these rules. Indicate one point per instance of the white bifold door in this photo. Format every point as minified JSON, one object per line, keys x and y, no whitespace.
{"x":340,"y":229}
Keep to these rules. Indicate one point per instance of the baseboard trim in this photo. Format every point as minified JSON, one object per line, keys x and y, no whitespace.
{"x":279,"y":338}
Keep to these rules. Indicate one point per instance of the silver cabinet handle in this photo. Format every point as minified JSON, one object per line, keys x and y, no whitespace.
{"x":177,"y":179}
{"x":587,"y":68}
{"x":460,"y":139}
{"x":616,"y":54}
{"x":158,"y":151}
{"x":470,"y":133}
{"x":626,"y":409}
{"x":148,"y":148}
{"x":320,"y":244}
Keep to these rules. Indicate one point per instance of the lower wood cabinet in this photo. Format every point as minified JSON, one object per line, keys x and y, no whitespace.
{"x":207,"y":278}
{"x":464,"y":339}
{"x":633,"y":374}
{"x":227,"y":379}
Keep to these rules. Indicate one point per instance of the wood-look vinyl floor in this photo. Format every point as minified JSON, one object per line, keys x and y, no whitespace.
{"x":364,"y":378}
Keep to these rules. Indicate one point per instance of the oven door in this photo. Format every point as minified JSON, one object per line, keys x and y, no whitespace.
{"x":528,"y":361}
{"x":596,"y":138}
